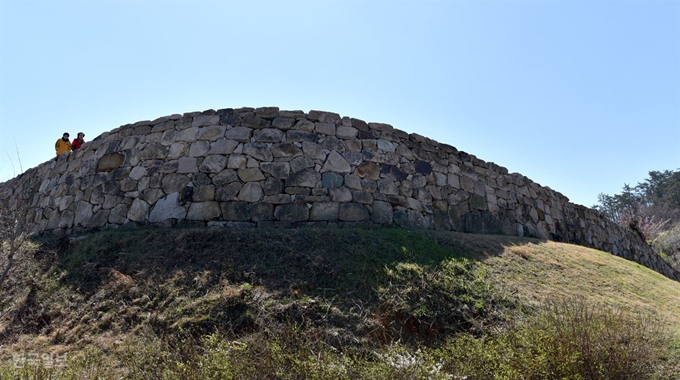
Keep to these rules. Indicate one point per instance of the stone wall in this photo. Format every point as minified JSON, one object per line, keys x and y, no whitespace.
{"x":268,"y":167}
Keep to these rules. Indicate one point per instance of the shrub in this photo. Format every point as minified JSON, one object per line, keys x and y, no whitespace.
{"x":568,"y":339}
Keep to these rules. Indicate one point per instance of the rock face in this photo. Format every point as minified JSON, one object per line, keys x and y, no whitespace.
{"x":268,"y":167}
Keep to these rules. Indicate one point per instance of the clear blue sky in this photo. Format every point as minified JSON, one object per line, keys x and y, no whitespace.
{"x":579,"y":96}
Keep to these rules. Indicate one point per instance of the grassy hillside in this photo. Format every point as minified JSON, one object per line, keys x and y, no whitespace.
{"x":329,"y":303}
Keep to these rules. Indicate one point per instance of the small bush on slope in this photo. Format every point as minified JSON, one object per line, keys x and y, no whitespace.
{"x":569,"y":339}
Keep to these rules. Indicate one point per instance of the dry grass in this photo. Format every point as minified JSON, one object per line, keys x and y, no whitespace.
{"x":347,"y":289}
{"x":544,"y":269}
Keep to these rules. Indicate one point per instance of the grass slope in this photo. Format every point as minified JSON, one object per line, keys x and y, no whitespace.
{"x":349,"y":288}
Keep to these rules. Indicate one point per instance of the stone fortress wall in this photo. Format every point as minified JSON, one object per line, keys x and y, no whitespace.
{"x":262,"y":167}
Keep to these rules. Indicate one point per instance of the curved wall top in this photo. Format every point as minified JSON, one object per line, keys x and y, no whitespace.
{"x":268,"y":167}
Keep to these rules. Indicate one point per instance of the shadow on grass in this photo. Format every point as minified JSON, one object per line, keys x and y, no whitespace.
{"x":322,"y":259}
{"x":240,"y":280}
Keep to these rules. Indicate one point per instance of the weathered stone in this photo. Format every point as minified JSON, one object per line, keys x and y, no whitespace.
{"x":241,"y":134}
{"x":285,"y":150}
{"x":99,"y":219}
{"x":268,"y":135}
{"x":330,"y":179}
{"x":362,"y":197}
{"x":276,"y":169}
{"x":353,"y":145}
{"x":109,"y":162}
{"x":324,"y":211}
{"x":353,"y":182}
{"x":229,"y":192}
{"x":259,"y":151}
{"x":250,"y":175}
{"x":272,"y":186}
{"x":261,"y":212}
{"x":129,"y":142}
{"x":223,"y":146}
{"x":386,"y":145}
{"x":138,"y":172}
{"x":153,"y":151}
{"x":324,"y":117}
{"x":111,"y":201}
{"x":127,"y":184}
{"x":65,"y":219}
{"x":199,"y":148}
{"x":423,"y":167}
{"x":303,"y":178}
{"x":340,"y":194}
{"x":292,"y":212}
{"x":177,"y":150}
{"x":346,"y":132}
{"x":139,"y":211}
{"x":174,"y":182}
{"x":204,"y":193}
{"x":200,"y":179}
{"x":368,"y":170}
{"x":332,"y":143}
{"x":224,"y":177}
{"x":382,"y":212}
{"x":203,"y":120}
{"x":313,"y":151}
{"x":352,"y":212}
{"x":255,"y":122}
{"x":213,"y":164}
{"x":118,"y":214}
{"x":237,"y":161}
{"x":325,"y":128}
{"x":187,"y":165}
{"x":336,"y":163}
{"x":477,"y":202}
{"x":277,"y":199}
{"x":188,"y":134}
{"x":152,"y":195}
{"x":296,"y":135}
{"x":251,"y":192}
{"x":204,"y":211}
{"x":83,"y":213}
{"x":380,"y":127}
{"x":387,"y":187}
{"x":235,"y":211}
{"x":167,"y":208}
{"x":410,"y":219}
{"x":283,"y":123}
{"x":269,"y":113}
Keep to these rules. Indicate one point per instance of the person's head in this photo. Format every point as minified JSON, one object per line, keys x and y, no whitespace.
{"x":65,"y":136}
{"x":81,"y":135}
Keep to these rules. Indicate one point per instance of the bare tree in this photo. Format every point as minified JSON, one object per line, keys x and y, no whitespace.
{"x":12,"y":238}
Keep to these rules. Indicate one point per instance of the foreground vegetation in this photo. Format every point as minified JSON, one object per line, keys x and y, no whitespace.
{"x":332,"y":304}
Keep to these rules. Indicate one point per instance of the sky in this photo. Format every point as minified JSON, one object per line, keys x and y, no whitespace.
{"x":579,"y":96}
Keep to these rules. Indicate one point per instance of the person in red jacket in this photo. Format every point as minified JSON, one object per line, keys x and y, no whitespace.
{"x":78,"y":142}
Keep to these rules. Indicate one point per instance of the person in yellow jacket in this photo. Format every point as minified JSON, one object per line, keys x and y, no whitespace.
{"x":63,"y":145}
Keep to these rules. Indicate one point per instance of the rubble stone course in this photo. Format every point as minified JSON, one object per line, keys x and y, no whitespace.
{"x":265,"y":167}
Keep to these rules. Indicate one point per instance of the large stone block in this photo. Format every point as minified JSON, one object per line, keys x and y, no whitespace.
{"x":213,"y":164}
{"x":237,"y":211}
{"x":324,"y":211}
{"x":352,"y":212}
{"x":139,"y":211}
{"x":109,"y":162}
{"x":303,"y":178}
{"x":382,"y":212}
{"x":204,"y":211}
{"x":292,"y":212}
